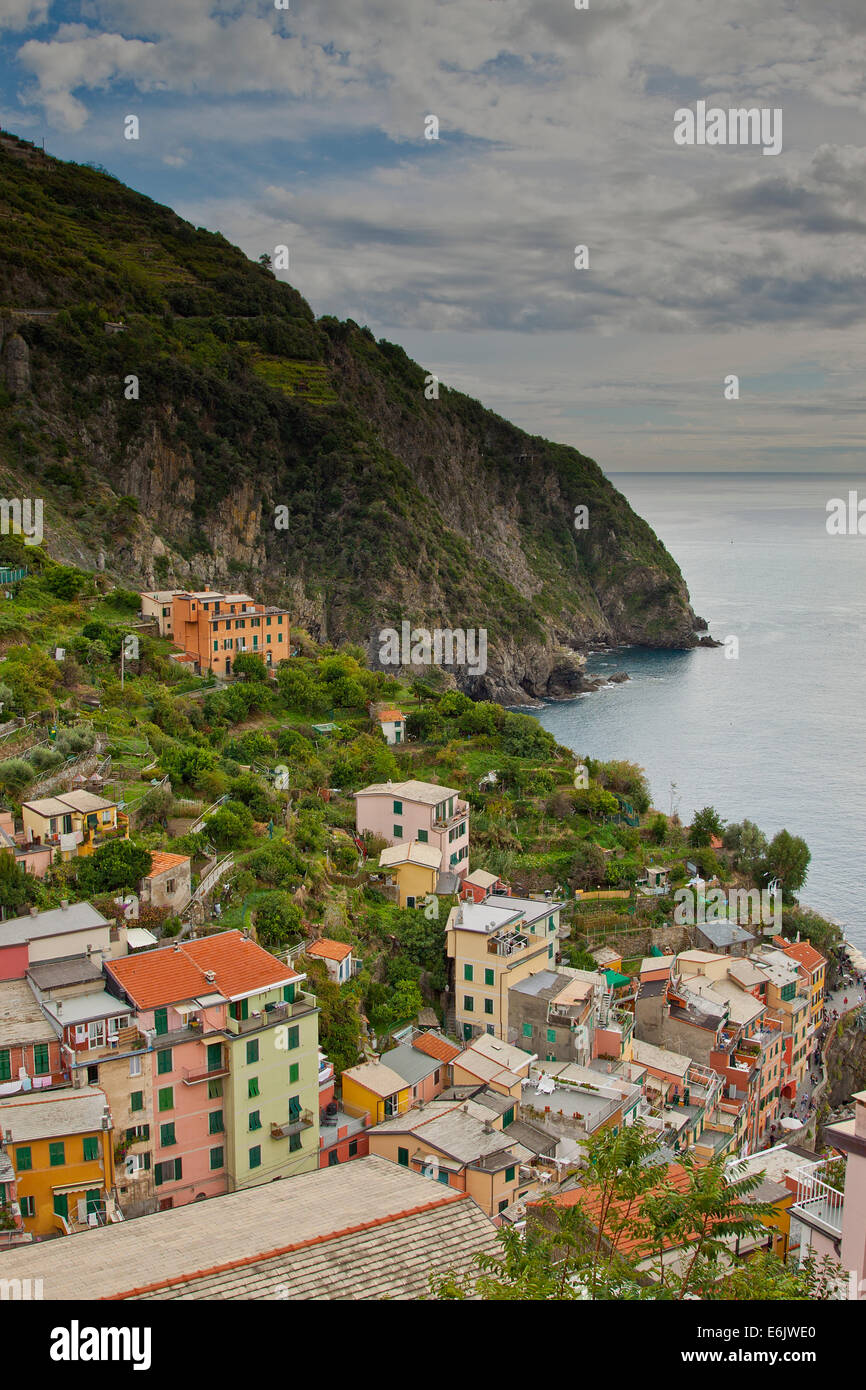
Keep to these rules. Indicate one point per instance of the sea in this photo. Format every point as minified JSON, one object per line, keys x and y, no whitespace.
{"x":771,"y":726}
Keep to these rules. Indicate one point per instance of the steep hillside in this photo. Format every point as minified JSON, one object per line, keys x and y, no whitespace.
{"x":401,"y":508}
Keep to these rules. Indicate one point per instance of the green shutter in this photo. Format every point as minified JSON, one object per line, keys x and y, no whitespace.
{"x":403,"y":1158}
{"x":24,"y":1159}
{"x":467,"y":972}
{"x":5,"y":1065}
{"x":136,"y":1101}
{"x":294,"y":1143}
{"x":252,"y":1050}
{"x":163,"y":1061}
{"x":40,"y":1059}
{"x":489,"y":977}
{"x":57,"y":1154}
{"x":551,"y":1035}
{"x":294,"y":1108}
{"x":214,"y":1056}
{"x":167,"y":1135}
{"x":215,"y":1122}
{"x":216,"y":1158}
{"x":256,"y":1157}
{"x":252,"y":1087}
{"x":61,"y":1204}
{"x":422,"y":837}
{"x":398,"y":808}
{"x":90,"y":1148}
{"x":166,"y":1098}
{"x":508,"y":1117}
{"x":509,"y":1175}
{"x":160,"y":1021}
{"x":488,"y":1006}
{"x":468,"y":1003}
{"x":294,"y":1038}
{"x":294,"y":1073}
{"x":527,"y":1030}
{"x":255,"y":1119}
{"x":289,"y":994}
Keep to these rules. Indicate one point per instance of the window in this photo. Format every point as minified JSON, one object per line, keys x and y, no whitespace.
{"x":214,"y":1089}
{"x":61,"y":1204}
{"x":253,"y":1051}
{"x":551,"y":1035}
{"x":255,"y":1119}
{"x":353,"y":1148}
{"x":422,"y":835}
{"x":293,"y":1038}
{"x":40,"y":1059}
{"x":289,"y":994}
{"x":240,"y":1010}
{"x":256,"y":1157}
{"x":398,"y":808}
{"x":160,"y":1021}
{"x":215,"y":1122}
{"x":23,"y":1159}
{"x":28,"y":1206}
{"x":167,"y":1135}
{"x":294,"y":1109}
{"x":437,"y":1073}
{"x":502,"y":1205}
{"x":163,"y":1061}
{"x":508,"y":1117}
{"x":403,"y":1158}
{"x":252,"y":1087}
{"x":214,"y":1056}
{"x":468,"y":1003}
{"x":135,"y":1066}
{"x":488,"y":1006}
{"x":333,"y":1158}
{"x":90,"y":1147}
{"x":550,"y":950}
{"x":5,"y":1066}
{"x":57,"y":1154}
{"x":509,"y":1175}
{"x":216,"y":1159}
{"x":294,"y":1143}
{"x":442,"y":1176}
{"x":527,"y":1030}
{"x":398,"y":832}
{"x":136,"y":1101}
{"x":294,"y":1073}
{"x":165,"y":1172}
{"x":166,"y":1098}
{"x":137,"y":1133}
{"x":551,"y":925}
{"x":467,"y":972}
{"x":489,"y":977}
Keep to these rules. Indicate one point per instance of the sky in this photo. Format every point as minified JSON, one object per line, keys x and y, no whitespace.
{"x":305,"y":126}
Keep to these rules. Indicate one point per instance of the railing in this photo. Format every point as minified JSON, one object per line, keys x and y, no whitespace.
{"x":192,"y":1075}
{"x":265,"y":1017}
{"x":289,"y":1127}
{"x":817,"y":1200}
{"x":461,"y":809}
{"x":507,"y":946}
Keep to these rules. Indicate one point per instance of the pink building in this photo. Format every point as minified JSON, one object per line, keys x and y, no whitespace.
{"x":33,"y":859}
{"x":832,"y":1222}
{"x":422,"y":811}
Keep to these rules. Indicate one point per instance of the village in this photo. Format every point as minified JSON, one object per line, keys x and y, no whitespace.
{"x":395,"y":947}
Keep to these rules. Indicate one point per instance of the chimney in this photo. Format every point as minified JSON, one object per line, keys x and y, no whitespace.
{"x":34,"y":912}
{"x":64,"y":904}
{"x":488,"y":1128}
{"x":60,"y":1008}
{"x":210,"y":976}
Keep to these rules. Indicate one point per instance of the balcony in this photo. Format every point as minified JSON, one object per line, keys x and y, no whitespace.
{"x":193,"y":1075}
{"x":461,"y":809}
{"x":268,"y":1016}
{"x":290,"y":1127}
{"x":817,"y":1203}
{"x":507,"y":945}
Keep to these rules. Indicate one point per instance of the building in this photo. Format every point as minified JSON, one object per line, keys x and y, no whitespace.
{"x":32,"y":858}
{"x":72,"y":823}
{"x":341,"y":1136}
{"x":480,"y":883}
{"x":373,"y":1088}
{"x":493,"y":1063}
{"x":158,"y":604}
{"x":29,"y":1049}
{"x":169,"y":883}
{"x":491,"y":946}
{"x":575,"y":1101}
{"x":336,"y":956}
{"x":813,"y":967}
{"x":724,"y":937}
{"x":233,"y":1054}
{"x":413,"y":869}
{"x":69,"y":930}
{"x":60,"y":1147}
{"x":391,"y":721}
{"x":213,"y":629}
{"x":553,"y":1014}
{"x":421,"y":811}
{"x":369,"y":1230}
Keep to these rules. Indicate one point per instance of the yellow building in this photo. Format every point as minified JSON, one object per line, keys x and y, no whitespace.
{"x":60,"y":1146}
{"x":413,"y":869}
{"x":492,"y":945}
{"x":373,"y":1088}
{"x":74,"y":822}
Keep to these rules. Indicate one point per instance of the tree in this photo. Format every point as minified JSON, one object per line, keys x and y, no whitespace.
{"x":705,"y":824}
{"x":747,"y":844}
{"x":265,"y":260}
{"x":15,"y":775}
{"x":155,"y":806}
{"x":787,"y":859}
{"x":118,"y":866}
{"x":229,"y":827}
{"x":278,"y":921}
{"x":587,"y":866}
{"x":17,"y":888}
{"x":658,"y":829}
{"x":250,"y":665}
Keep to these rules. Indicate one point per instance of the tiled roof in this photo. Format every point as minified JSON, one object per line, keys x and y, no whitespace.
{"x":21,"y":1019}
{"x":53,"y":1113}
{"x":428,"y":792}
{"x":177,"y":972}
{"x":161,"y":862}
{"x":411,"y":852}
{"x":376,"y":1077}
{"x":437,"y":1047}
{"x":590,"y":1201}
{"x":368,"y":1229}
{"x":390,"y":714}
{"x":805,"y":953}
{"x":328,"y":949}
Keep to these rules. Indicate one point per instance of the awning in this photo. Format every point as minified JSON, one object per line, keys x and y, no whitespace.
{"x":614,"y":979}
{"x":137,"y":937}
{"x":80,"y":1186}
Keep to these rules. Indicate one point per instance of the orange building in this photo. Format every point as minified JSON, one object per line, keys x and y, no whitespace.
{"x":215,"y":628}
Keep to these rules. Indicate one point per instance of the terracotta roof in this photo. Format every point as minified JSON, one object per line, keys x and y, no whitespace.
{"x":329,"y":950}
{"x":437,"y":1047}
{"x":590,"y":1201}
{"x":161,"y":862}
{"x":805,"y":953}
{"x":177,"y":972}
{"x":388,"y":714}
